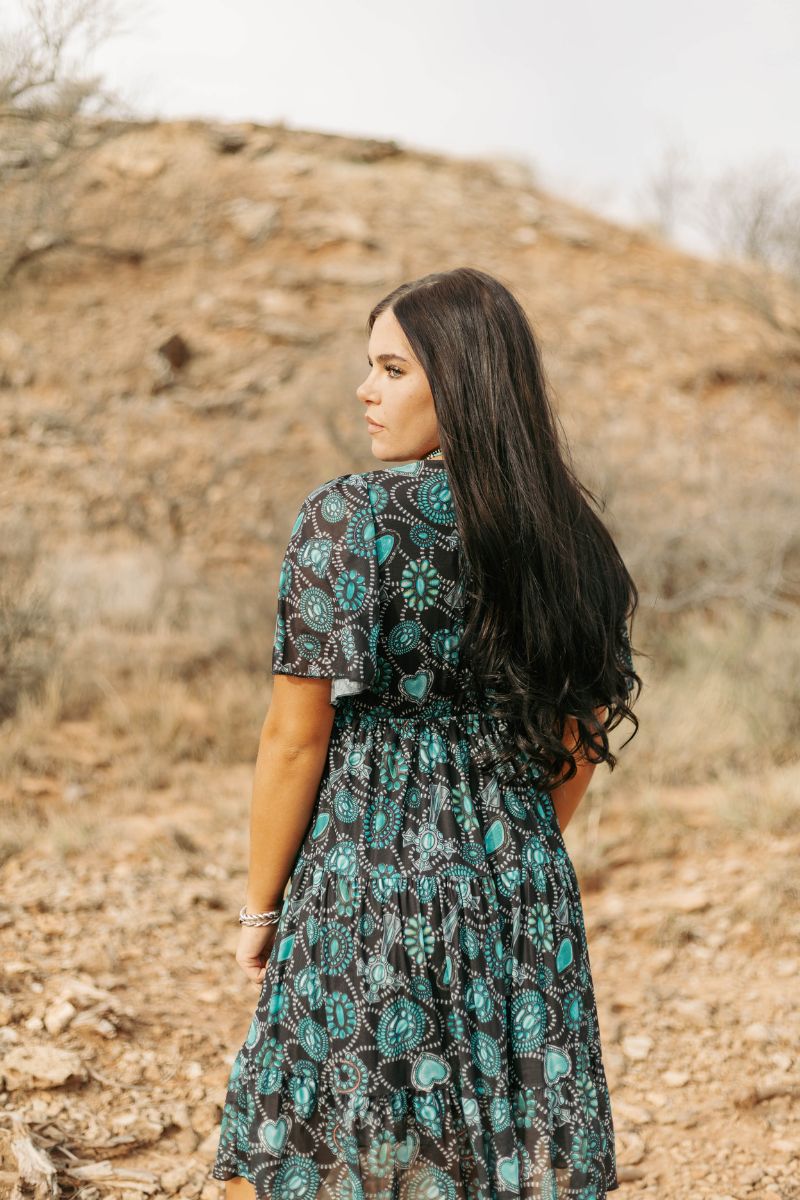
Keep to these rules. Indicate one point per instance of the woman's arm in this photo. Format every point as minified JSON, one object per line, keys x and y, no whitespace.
{"x":291,"y":757}
{"x":567,"y":796}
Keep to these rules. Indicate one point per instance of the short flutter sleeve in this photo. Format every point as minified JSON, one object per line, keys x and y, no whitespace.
{"x":327,"y":621}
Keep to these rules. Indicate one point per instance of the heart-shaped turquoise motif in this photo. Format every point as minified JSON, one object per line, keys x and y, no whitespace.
{"x":416,"y":686}
{"x":556,"y":1064}
{"x":428,"y":1070}
{"x":406,"y":1151}
{"x":508,"y":1170}
{"x":384,"y":545}
{"x":273,"y":1134}
{"x":470,"y":1110}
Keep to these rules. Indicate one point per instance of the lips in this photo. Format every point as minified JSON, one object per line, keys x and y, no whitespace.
{"x":373,"y":424}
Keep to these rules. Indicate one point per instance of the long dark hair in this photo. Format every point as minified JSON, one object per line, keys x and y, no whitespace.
{"x":547,"y":595}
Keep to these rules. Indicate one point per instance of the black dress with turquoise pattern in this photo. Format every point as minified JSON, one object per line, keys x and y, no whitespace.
{"x":426,"y":1029}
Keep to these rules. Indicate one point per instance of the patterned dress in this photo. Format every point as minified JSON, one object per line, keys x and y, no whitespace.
{"x":426,"y":1029}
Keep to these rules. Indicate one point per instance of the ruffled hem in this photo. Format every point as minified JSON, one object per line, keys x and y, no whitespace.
{"x":294,"y":1139}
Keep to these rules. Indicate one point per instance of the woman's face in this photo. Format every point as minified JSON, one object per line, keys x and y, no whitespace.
{"x":396,"y":396}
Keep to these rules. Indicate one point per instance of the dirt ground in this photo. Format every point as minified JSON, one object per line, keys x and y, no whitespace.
{"x":123,"y":1006}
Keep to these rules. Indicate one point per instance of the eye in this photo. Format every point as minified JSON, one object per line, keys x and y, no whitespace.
{"x":389,"y":367}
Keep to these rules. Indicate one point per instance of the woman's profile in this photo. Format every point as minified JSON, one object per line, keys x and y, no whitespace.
{"x":451,"y":651}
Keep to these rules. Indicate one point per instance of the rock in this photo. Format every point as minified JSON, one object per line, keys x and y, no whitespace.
{"x":370,"y":150}
{"x":757,"y":1033}
{"x":628,"y":1174}
{"x":347,"y":227}
{"x":180,"y":1116}
{"x":6,"y":1009}
{"x":97,"y":1024}
{"x":687,"y":900}
{"x":696,"y":1011}
{"x":252,"y":219}
{"x":292,"y":332}
{"x":205,"y":1119}
{"x":280,"y":302}
{"x":571,"y":231}
{"x":780,"y":1059}
{"x":511,"y":172}
{"x":261,"y":143}
{"x":16,"y":366}
{"x":637,"y":1046}
{"x":174,"y":1179}
{"x":185,"y":1141}
{"x":634,"y":1114}
{"x":282,"y":163}
{"x":33,"y":1065}
{"x":676,"y":1078}
{"x":85,"y":995}
{"x":228,"y":139}
{"x":131,"y":162}
{"x":631,"y":1148}
{"x":530,"y":208}
{"x":208,"y":1146}
{"x":58,"y":1016}
{"x":784,"y":1145}
{"x":175,"y":350}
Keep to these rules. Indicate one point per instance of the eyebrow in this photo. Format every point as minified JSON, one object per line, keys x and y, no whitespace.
{"x":385,"y":357}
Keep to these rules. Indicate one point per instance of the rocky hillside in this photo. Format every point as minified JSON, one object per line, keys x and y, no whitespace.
{"x":184,"y":365}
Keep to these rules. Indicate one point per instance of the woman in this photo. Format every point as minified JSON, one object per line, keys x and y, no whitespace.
{"x":451,"y":651}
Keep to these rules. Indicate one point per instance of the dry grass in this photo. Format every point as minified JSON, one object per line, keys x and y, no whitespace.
{"x":721,"y":700}
{"x":765,"y":804}
{"x":172,"y":670}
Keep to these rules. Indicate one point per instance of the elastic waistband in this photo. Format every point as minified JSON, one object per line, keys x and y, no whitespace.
{"x":441,"y":710}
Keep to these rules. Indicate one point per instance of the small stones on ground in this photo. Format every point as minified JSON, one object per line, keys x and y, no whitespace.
{"x":676,"y":1079}
{"x":637,"y":1046}
{"x":33,"y":1065}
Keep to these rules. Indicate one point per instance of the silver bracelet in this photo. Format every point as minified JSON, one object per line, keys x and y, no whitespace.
{"x":270,"y":917}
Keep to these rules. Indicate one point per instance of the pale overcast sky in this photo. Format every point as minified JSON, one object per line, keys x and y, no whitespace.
{"x":590,"y":93}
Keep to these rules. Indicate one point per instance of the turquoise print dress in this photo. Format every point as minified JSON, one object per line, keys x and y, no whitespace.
{"x":427,"y":1028}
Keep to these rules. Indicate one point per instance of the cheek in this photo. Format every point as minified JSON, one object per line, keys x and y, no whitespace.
{"x":418,"y":400}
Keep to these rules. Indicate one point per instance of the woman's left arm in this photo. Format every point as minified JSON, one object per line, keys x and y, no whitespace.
{"x":291,"y":757}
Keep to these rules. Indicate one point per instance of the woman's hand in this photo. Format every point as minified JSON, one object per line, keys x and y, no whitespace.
{"x":254,"y":948}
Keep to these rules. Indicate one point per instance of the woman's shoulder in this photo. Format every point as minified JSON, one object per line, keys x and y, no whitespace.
{"x":347,"y":486}
{"x":356,"y":483}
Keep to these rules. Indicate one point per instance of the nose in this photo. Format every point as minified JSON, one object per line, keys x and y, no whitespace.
{"x":362,"y":394}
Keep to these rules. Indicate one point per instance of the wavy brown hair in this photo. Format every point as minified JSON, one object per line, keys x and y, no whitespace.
{"x":548,"y":598}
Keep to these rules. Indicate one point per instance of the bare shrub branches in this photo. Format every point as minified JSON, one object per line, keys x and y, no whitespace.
{"x":53,"y":111}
